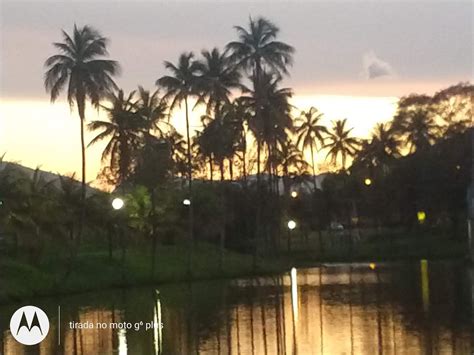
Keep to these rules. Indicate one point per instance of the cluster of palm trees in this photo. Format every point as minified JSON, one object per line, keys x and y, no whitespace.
{"x":247,"y":114}
{"x":214,"y":80}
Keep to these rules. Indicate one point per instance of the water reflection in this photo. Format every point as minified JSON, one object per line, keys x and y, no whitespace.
{"x":335,"y":309}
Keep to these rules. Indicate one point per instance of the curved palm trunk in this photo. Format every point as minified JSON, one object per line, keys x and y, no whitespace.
{"x":190,"y":185}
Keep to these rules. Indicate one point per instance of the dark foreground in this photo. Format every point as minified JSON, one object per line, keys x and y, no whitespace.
{"x":337,"y":308}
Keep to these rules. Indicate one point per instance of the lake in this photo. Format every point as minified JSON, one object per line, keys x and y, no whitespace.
{"x":387,"y":308}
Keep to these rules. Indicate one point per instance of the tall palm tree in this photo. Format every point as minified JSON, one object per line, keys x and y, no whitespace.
{"x":341,"y":142}
{"x":310,"y":132}
{"x":180,"y":86}
{"x":125,"y":130}
{"x":257,"y":51}
{"x":81,"y":69}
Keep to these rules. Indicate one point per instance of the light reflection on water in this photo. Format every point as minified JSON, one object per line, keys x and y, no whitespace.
{"x":334,"y":309}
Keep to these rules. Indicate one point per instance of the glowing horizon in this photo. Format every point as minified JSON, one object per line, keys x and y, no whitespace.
{"x":26,"y":123}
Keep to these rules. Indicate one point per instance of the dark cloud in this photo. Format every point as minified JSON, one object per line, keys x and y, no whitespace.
{"x":374,"y":67}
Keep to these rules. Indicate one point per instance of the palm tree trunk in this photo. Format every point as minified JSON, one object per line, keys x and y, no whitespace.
{"x":258,"y":163}
{"x":80,"y":101}
{"x":221,"y":168}
{"x":244,"y":162}
{"x":231,"y":169}
{"x":190,"y":185}
{"x":211,"y":175}
{"x":314,"y":169}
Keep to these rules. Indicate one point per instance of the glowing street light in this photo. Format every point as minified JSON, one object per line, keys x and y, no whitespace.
{"x":294,"y":194}
{"x":117,"y":203}
{"x":421,"y":216}
{"x":187,"y":202}
{"x":291,"y":225}
{"x":368,"y":181}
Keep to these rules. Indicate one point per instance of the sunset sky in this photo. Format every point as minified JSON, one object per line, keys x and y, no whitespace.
{"x":353,"y":59}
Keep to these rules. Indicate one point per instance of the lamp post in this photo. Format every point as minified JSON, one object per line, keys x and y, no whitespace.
{"x":117,"y":205}
{"x":291,"y":226}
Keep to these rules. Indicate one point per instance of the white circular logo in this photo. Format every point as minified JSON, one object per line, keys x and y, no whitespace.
{"x":29,"y":325}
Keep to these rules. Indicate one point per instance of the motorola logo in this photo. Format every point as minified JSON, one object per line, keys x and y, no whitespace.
{"x":29,"y":325}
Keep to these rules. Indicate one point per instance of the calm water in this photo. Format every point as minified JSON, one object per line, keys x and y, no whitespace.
{"x":335,"y":309}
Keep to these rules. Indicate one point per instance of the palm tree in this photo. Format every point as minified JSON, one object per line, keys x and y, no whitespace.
{"x":219,"y":140}
{"x":178,"y":151}
{"x":81,"y":69}
{"x":125,"y":129}
{"x":310,"y":132}
{"x":257,"y":51}
{"x":341,"y":142}
{"x":288,"y":156}
{"x":218,"y":77}
{"x":237,"y":115}
{"x":179,"y":87}
{"x":273,"y":120}
{"x":417,"y":126}
{"x":154,"y":110}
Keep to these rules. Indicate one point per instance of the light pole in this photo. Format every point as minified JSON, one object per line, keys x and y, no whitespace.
{"x":117,"y":205}
{"x":191,"y":243}
{"x":291,"y":226}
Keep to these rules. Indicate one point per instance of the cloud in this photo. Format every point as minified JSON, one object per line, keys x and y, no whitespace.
{"x":374,"y":67}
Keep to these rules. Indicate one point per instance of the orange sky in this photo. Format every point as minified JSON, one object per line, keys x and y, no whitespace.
{"x":38,"y":133}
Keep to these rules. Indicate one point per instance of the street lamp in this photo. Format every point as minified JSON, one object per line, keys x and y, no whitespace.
{"x":117,"y":203}
{"x":368,"y":181}
{"x":294,"y":194}
{"x":187,"y":202}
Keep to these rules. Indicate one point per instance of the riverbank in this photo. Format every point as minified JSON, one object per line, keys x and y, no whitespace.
{"x":93,"y":270}
{"x":24,"y":279}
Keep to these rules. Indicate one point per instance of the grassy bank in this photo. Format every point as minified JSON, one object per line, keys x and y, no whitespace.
{"x":24,"y":279}
{"x":93,"y":270}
